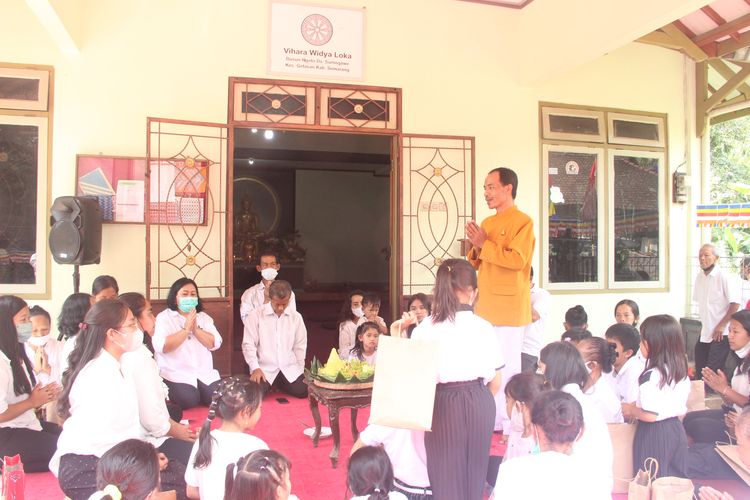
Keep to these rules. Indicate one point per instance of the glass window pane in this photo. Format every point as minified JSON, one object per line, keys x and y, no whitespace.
{"x":18,"y":193}
{"x":636,"y":215}
{"x":573,"y":217}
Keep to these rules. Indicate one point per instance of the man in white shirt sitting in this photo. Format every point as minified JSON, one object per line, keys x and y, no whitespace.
{"x":257,"y":295}
{"x":275,"y":342}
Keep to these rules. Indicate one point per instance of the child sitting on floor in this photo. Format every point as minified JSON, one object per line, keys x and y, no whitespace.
{"x":261,"y":475}
{"x":237,"y":402}
{"x":366,"y":346}
{"x":370,"y":475}
{"x":128,"y":470}
{"x":520,"y":393}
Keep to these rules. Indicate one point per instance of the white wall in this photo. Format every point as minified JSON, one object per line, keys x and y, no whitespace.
{"x":456,"y":62}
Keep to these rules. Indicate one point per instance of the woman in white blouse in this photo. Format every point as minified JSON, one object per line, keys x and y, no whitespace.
{"x":21,"y":433}
{"x":184,"y":337}
{"x":165,"y":433}
{"x":100,"y":405}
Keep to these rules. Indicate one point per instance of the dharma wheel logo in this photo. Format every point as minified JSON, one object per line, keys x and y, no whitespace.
{"x":317,"y":29}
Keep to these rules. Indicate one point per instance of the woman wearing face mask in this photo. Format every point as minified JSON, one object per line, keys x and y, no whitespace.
{"x":21,"y":433}
{"x":184,"y":337}
{"x":351,"y":312}
{"x":158,"y":428}
{"x":42,"y":349}
{"x":707,"y":426}
{"x":99,"y":404}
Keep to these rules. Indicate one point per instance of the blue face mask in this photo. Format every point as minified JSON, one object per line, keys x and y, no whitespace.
{"x":24,"y":331}
{"x":187,"y":304}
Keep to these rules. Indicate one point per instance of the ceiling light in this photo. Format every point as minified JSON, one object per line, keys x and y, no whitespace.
{"x":268,"y":134}
{"x":254,"y":130}
{"x":250,"y":161}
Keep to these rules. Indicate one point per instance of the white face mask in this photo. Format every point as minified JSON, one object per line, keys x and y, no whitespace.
{"x":136,"y":339}
{"x":39,"y":341}
{"x":269,"y":274}
{"x":358,"y":312}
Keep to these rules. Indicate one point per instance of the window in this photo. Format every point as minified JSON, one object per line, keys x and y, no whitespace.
{"x":24,"y":161}
{"x":604,"y":214}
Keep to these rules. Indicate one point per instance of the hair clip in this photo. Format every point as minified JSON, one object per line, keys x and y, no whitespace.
{"x":448,"y":268}
{"x":377,"y":490}
{"x":82,"y":325}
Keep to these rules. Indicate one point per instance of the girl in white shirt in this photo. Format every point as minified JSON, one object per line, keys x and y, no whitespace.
{"x":260,"y":475}
{"x":662,"y":399}
{"x":237,"y":403}
{"x":351,"y":312}
{"x":366,"y":346}
{"x":521,"y":392}
{"x":170,"y":437}
{"x":100,"y":405}
{"x":707,"y":426}
{"x":598,"y":356}
{"x":418,"y":308}
{"x":45,"y":354}
{"x":563,"y":367}
{"x":73,"y":311}
{"x":21,"y":432}
{"x":369,"y":475}
{"x":558,"y":423}
{"x":184,"y":337}
{"x":469,"y":363}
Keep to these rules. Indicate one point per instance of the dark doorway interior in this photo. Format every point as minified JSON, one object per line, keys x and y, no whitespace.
{"x":322,"y":201}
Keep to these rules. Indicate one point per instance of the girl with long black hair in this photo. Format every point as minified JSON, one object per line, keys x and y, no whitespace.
{"x":469,"y":363}
{"x":21,"y":432}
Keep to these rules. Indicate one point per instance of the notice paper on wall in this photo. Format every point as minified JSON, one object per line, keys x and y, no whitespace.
{"x":129,"y":204}
{"x":316,"y":41}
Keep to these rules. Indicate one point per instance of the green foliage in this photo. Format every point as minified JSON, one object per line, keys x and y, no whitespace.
{"x":730,"y":180}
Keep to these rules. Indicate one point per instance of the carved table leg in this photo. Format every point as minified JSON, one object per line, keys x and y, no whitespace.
{"x":333,"y":415}
{"x":316,"y":418}
{"x":355,"y":431}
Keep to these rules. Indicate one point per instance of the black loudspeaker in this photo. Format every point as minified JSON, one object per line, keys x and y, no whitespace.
{"x":76,"y":234}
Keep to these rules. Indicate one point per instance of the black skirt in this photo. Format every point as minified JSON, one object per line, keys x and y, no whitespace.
{"x":458,"y":448}
{"x":664,"y":440}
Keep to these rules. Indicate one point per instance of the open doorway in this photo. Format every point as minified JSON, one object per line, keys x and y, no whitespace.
{"x":322,"y":202}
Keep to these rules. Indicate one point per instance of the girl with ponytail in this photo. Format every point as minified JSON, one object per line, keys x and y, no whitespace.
{"x":261,"y":475}
{"x":599,"y":357}
{"x":469,"y":363}
{"x":237,"y":402}
{"x":370,"y":475}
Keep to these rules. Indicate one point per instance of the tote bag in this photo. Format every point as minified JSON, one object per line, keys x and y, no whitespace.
{"x":622,"y":436}
{"x":403,"y":392}
{"x":671,"y":488}
{"x":640,"y":487}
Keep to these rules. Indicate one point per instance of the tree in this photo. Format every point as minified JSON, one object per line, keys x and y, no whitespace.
{"x":730,"y":180}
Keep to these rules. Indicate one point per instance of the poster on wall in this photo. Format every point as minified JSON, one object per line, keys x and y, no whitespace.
{"x":316,"y":41}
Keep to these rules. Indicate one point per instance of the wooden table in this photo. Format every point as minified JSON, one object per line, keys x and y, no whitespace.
{"x":335,"y":400}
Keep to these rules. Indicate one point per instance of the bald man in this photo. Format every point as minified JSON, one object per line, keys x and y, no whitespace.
{"x":718,"y":297}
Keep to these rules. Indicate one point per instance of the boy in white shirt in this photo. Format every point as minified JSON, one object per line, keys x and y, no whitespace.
{"x":275,"y":343}
{"x":371,"y":308}
{"x":629,"y":364}
{"x":257,"y":295}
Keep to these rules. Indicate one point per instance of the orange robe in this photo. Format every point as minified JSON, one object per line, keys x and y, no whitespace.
{"x":504,"y":265}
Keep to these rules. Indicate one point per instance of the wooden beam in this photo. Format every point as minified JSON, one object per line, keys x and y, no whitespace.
{"x":728,"y":46}
{"x":701,"y":92}
{"x":730,"y":116}
{"x":727,"y":88}
{"x":726,"y":73}
{"x":723,"y":30}
{"x":686,"y":44}
{"x":661,"y":39}
{"x":716,"y":17}
{"x":681,"y":26}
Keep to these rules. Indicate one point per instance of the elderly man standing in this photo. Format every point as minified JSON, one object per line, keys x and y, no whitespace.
{"x":718,"y":296}
{"x":502,"y":251}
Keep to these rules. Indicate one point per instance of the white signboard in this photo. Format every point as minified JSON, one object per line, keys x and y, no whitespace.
{"x":316,"y":41}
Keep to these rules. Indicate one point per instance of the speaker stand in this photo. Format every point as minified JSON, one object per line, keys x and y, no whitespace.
{"x":76,"y":279}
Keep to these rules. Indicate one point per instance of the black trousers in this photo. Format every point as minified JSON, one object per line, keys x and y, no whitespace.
{"x":704,"y":462}
{"x":298,"y":388}
{"x":177,"y":450}
{"x":528,"y":362}
{"x":186,"y":396}
{"x":35,"y":447}
{"x":712,"y":355}
{"x":77,"y":477}
{"x":665,"y":441}
{"x":706,"y":426}
{"x":458,"y":448}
